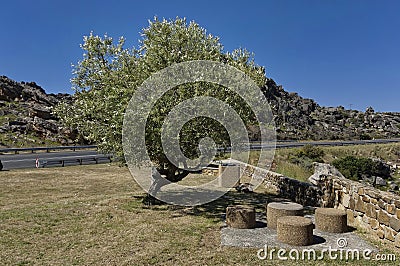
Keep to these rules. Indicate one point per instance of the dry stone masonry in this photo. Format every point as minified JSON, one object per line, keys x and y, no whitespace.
{"x":368,"y":208}
{"x":371,"y":209}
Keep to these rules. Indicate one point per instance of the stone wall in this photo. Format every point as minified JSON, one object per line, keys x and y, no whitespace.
{"x":297,"y":191}
{"x":367,"y":208}
{"x":210,"y":171}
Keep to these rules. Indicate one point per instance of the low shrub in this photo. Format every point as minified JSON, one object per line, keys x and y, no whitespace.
{"x":305,"y":156}
{"x":356,"y":168}
{"x":312,"y":152}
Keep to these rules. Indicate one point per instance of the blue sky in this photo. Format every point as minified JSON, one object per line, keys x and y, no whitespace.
{"x":336,"y":52}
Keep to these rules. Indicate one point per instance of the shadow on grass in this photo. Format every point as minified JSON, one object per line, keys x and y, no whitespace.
{"x":216,"y":209}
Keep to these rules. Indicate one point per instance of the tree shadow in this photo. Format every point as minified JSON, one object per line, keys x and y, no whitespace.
{"x":318,"y":240}
{"x":261,"y":224}
{"x":350,"y":229}
{"x":216,"y":209}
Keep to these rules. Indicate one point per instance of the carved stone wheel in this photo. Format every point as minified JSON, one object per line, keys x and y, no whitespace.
{"x":331,"y":220}
{"x":241,"y":216}
{"x":280,"y":209}
{"x":295,"y":230}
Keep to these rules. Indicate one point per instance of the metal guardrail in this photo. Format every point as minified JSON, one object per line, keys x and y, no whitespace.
{"x":62,"y":161}
{"x":48,"y":149}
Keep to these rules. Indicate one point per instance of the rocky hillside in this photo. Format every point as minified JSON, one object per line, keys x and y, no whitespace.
{"x":299,"y":118}
{"x":26,"y":117}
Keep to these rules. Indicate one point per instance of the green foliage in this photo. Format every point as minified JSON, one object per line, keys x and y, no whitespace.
{"x":108,"y":75}
{"x":305,"y":156}
{"x":294,"y":170}
{"x":312,"y":152}
{"x":365,"y":137}
{"x":355,"y":168}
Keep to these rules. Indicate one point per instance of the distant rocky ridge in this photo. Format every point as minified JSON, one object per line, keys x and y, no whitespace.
{"x":26,"y":113}
{"x":297,"y":118}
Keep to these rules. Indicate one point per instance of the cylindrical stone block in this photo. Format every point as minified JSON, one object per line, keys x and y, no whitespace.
{"x":241,"y":216}
{"x":280,"y":209}
{"x":295,"y":230}
{"x":331,"y":220}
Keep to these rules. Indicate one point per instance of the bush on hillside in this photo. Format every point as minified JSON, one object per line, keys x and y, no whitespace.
{"x":306,"y":156}
{"x":356,"y":168}
{"x":312,"y":152}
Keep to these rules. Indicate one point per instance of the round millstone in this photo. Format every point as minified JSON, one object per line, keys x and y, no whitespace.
{"x":295,"y":230}
{"x":331,"y":220}
{"x":280,"y":209}
{"x":241,"y":216}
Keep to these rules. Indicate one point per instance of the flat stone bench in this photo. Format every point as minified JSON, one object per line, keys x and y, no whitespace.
{"x":241,"y":216}
{"x":331,"y":220}
{"x":280,"y":209}
{"x":295,"y":230}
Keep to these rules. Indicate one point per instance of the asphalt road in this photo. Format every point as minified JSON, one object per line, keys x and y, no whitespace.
{"x":294,"y":144}
{"x":28,"y":160}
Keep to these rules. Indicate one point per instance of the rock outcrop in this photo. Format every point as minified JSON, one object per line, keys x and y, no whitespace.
{"x":322,"y":171}
{"x":297,"y":118}
{"x":26,"y":115}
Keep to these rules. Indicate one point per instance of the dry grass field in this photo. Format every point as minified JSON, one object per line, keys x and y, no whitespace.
{"x":94,"y":215}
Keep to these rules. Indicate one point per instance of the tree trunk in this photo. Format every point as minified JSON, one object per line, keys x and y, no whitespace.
{"x":157,"y":182}
{"x":172,"y":174}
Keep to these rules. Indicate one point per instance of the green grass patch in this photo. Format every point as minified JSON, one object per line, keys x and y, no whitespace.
{"x":293,"y":170}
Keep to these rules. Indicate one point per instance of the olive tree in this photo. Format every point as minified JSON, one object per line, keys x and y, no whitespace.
{"x":108,"y":75}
